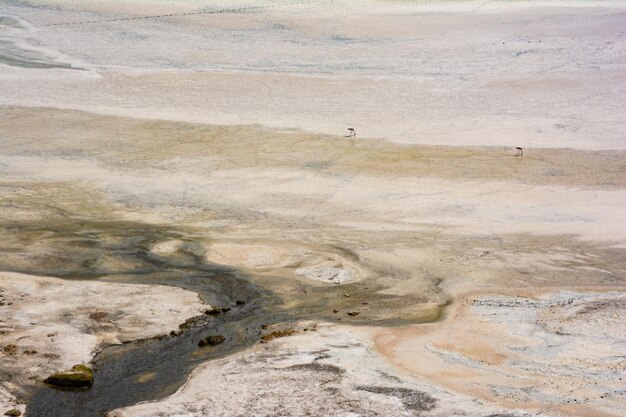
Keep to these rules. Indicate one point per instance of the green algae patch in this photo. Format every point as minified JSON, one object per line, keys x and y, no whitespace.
{"x":80,"y":376}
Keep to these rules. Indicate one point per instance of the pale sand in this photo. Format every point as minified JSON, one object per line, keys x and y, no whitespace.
{"x":55,"y":324}
{"x":8,"y":401}
{"x":502,"y":73}
{"x":425,"y":224}
{"x":321,"y":180}
{"x":551,"y":353}
{"x":315,"y":264}
{"x":330,"y":372}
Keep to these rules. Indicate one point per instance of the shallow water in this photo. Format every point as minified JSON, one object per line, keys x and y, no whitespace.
{"x":154,"y":368}
{"x":151,"y":369}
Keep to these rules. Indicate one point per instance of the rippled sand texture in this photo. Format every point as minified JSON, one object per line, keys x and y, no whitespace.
{"x":480,"y":73}
{"x":552,"y":352}
{"x":419,"y":269}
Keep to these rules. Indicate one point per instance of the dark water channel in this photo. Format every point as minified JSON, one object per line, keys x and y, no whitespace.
{"x":120,"y":252}
{"x":152,"y":369}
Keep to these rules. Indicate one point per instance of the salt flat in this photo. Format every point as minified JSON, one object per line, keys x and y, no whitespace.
{"x":469,"y":73}
{"x":419,"y":269}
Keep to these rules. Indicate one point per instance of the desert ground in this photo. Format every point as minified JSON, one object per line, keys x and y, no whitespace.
{"x":172,"y":171}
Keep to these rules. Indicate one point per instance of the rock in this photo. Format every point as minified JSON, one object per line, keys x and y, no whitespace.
{"x":240,"y":302}
{"x":277,"y":334}
{"x":191,"y":322}
{"x":335,"y":311}
{"x":212,"y":340}
{"x":13,"y":413}
{"x":216,"y":310}
{"x":10,"y":349}
{"x":337,"y":273}
{"x":353,"y":313}
{"x":98,"y":315}
{"x":78,"y":377}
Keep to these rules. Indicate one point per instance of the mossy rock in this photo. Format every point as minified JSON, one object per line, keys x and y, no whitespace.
{"x":213,"y":311}
{"x":80,"y":376}
{"x":212,"y":340}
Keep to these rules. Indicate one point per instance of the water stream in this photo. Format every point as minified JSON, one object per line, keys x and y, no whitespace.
{"x":118,"y":251}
